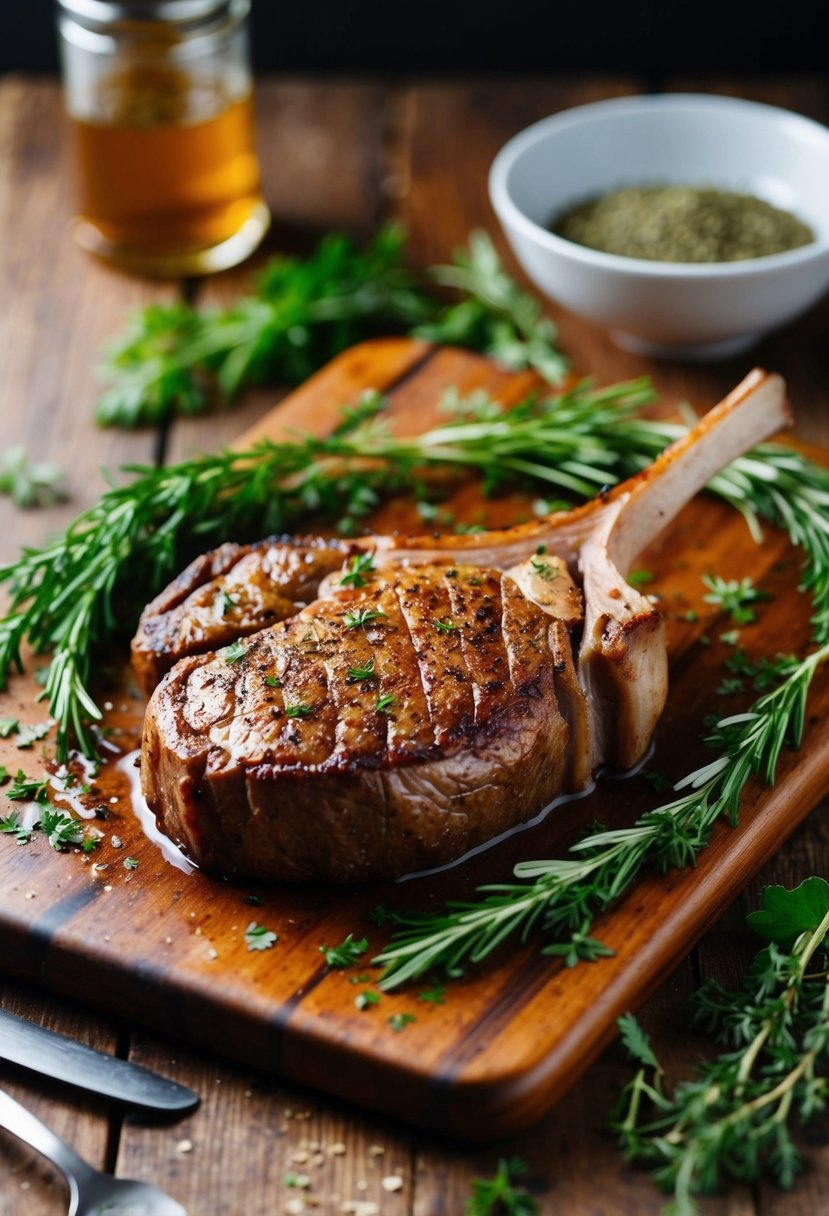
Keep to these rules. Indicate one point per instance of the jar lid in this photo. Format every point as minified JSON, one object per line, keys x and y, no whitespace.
{"x":98,"y":14}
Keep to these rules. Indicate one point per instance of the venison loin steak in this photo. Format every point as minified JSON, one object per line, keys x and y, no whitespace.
{"x":357,"y":711}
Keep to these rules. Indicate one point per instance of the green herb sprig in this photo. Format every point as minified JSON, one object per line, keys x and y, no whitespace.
{"x":563,"y":897}
{"x":500,"y":1195}
{"x":176,"y":359}
{"x":735,"y":1118}
{"x":70,"y":595}
{"x":30,"y":483}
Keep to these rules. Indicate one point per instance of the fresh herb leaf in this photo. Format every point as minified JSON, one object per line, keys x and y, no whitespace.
{"x":733,"y":597}
{"x":30,"y":484}
{"x":499,"y":1195}
{"x":399,"y":1021}
{"x":638,"y":1044}
{"x":24,"y":790}
{"x":273,"y":682}
{"x":298,"y":710}
{"x":363,"y":616}
{"x":29,"y":735}
{"x":365,"y":1000}
{"x":639,"y":578}
{"x":235,"y":651}
{"x":786,"y":914}
{"x":446,"y":626}
{"x":357,"y":674}
{"x":90,"y":844}
{"x":12,"y":825}
{"x":60,"y":830}
{"x":544,"y":570}
{"x":259,"y":937}
{"x":347,"y":953}
{"x":131,"y":863}
{"x":361,"y":565}
{"x":579,"y":949}
{"x":433,"y":996}
{"x":226,"y":603}
{"x":385,"y":703}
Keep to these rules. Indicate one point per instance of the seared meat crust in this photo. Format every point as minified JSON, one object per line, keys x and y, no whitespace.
{"x":452,"y":736}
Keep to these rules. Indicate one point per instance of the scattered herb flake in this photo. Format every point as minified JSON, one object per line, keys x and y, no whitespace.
{"x":259,"y":937}
{"x":273,"y":681}
{"x":363,"y":616}
{"x":28,"y":735}
{"x":447,"y":626}
{"x":658,"y":780}
{"x":130,"y":863}
{"x":544,"y":570}
{"x":399,"y":1021}
{"x":12,"y":825}
{"x":357,"y":674}
{"x":60,"y":830}
{"x":361,"y":565}
{"x":731,"y":637}
{"x":435,"y":995}
{"x":346,"y":954}
{"x":91,"y":843}
{"x":7,"y":726}
{"x":235,"y":651}
{"x":298,"y":709}
{"x":365,"y":1000}
{"x":733,"y":597}
{"x":225,"y":603}
{"x":384,"y":704}
{"x":24,"y":790}
{"x":499,"y":1195}
{"x":640,"y":578}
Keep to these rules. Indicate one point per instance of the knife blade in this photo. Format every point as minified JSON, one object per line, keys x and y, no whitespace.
{"x":57,"y":1056}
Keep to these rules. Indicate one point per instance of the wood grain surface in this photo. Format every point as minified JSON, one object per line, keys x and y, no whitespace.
{"x":420,"y":153}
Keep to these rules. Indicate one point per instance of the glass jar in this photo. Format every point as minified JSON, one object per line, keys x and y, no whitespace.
{"x":160,"y":99}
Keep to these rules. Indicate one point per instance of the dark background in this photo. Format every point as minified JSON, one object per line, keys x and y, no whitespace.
{"x":512,"y":36}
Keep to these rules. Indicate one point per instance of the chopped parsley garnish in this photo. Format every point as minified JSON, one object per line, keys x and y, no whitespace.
{"x":347,"y":953}
{"x":273,"y":681}
{"x":433,"y":996}
{"x":236,"y":651}
{"x":293,"y":1179}
{"x":91,"y":844}
{"x":13,"y":826}
{"x":27,"y":735}
{"x":399,"y":1021}
{"x":544,"y":570}
{"x":361,"y":564}
{"x":385,"y":703}
{"x":362,"y":617}
{"x":356,"y":674}
{"x":639,"y":578}
{"x":60,"y":830}
{"x":130,"y":863}
{"x":733,"y":597}
{"x":24,"y":790}
{"x":447,"y":626}
{"x":259,"y":937}
{"x":364,"y":1000}
{"x":5,"y":775}
{"x":462,"y":529}
{"x":728,"y":686}
{"x":225,"y":603}
{"x":298,"y":710}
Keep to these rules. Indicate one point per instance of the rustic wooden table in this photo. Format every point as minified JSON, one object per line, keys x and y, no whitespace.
{"x":335,"y":156}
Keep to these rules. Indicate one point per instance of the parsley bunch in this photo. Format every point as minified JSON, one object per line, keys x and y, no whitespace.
{"x":734,"y":1119}
{"x":175,"y":359}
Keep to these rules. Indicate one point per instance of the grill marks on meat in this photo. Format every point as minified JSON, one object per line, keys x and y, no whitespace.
{"x":228,"y":594}
{"x":491,"y":716}
{"x":473,"y":723}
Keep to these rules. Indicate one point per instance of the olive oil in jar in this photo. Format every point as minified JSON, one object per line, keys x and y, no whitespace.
{"x":168,"y":177}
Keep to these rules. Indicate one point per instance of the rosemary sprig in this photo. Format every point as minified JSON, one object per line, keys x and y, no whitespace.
{"x":74,"y":594}
{"x":564,"y":896}
{"x":734,"y":1119}
{"x":176,"y":359}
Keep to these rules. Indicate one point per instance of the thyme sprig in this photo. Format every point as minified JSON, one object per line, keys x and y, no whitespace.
{"x":563,"y":897}
{"x":73,"y":595}
{"x":735,"y":1117}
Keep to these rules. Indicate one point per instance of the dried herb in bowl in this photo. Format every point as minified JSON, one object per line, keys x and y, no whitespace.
{"x":682,"y":224}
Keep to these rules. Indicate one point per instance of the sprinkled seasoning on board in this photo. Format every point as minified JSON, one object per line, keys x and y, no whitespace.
{"x":682,"y":224}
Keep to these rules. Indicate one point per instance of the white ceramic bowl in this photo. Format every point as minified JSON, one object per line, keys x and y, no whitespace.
{"x":668,"y":309}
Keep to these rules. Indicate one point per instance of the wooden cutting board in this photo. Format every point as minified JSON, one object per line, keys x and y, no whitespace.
{"x":166,"y":947}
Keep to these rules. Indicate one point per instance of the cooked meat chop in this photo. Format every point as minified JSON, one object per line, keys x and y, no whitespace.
{"x":291,"y":762}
